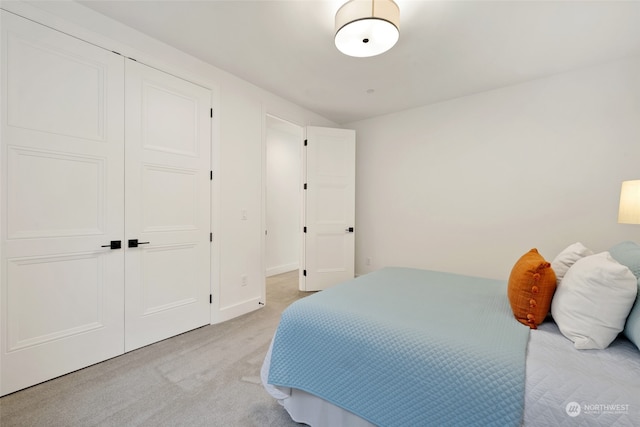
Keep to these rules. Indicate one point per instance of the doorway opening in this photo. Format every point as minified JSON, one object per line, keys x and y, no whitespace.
{"x":283,"y":196}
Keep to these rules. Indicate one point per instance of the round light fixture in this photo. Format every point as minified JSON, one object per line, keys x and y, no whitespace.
{"x":367,"y":27}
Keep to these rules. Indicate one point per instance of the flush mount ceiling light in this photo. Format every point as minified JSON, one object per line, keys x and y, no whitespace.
{"x":367,"y":27}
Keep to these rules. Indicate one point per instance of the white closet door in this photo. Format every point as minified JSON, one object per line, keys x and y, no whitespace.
{"x":62,"y":144}
{"x":168,"y":152}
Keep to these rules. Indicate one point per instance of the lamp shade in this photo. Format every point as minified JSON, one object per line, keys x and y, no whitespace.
{"x":629,"y":211}
{"x":367,"y":27}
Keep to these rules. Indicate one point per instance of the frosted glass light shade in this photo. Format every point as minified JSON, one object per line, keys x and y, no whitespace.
{"x":629,"y":211}
{"x":367,"y":27}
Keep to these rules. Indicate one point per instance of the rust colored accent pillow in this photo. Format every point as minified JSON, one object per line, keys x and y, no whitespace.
{"x":531,"y":286}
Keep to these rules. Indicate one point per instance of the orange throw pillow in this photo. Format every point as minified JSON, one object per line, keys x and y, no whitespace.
{"x":532,"y":284}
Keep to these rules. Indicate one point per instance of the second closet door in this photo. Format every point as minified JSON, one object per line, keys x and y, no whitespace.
{"x":167,"y":205}
{"x":61,"y":204}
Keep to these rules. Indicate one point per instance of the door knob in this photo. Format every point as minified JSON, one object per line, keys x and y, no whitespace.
{"x":133,"y":243}
{"x":349,"y":230}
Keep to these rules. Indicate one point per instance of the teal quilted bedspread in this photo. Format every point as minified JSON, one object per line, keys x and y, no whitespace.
{"x":407,"y":347}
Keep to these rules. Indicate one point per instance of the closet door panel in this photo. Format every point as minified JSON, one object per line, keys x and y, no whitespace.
{"x":37,"y":203}
{"x":168,"y":133}
{"x":62,"y":154}
{"x":74,"y":84}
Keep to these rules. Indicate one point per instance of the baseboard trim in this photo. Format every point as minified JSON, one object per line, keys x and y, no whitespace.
{"x":272,"y":271}
{"x":236,"y":310}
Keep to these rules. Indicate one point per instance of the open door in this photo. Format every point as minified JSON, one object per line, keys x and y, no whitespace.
{"x":329,"y":208}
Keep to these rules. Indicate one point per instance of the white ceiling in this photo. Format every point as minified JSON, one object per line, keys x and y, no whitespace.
{"x":447,"y":49}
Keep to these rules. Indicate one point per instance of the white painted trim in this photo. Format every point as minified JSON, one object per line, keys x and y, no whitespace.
{"x":230,"y":312}
{"x":279,"y":269}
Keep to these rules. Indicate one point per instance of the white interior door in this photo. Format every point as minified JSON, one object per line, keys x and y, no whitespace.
{"x":62,"y":142}
{"x":167,"y":197}
{"x":329,"y":211}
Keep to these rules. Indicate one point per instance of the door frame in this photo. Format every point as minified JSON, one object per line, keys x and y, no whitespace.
{"x":286,"y":122}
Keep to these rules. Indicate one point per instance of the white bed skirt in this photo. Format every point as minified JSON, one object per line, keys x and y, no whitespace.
{"x":309,"y":409}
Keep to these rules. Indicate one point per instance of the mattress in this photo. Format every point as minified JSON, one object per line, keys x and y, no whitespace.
{"x":564,"y":386}
{"x":570,"y":387}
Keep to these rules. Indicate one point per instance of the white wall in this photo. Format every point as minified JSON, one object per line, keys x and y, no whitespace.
{"x":284,"y":196}
{"x":470,"y":184}
{"x":238,"y":145}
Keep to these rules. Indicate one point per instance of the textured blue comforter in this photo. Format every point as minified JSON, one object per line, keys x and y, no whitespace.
{"x":407,"y":347}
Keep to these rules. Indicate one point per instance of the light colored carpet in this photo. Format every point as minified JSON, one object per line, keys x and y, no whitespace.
{"x":206,"y":377}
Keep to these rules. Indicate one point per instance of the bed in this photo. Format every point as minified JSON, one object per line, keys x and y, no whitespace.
{"x":404,"y":346}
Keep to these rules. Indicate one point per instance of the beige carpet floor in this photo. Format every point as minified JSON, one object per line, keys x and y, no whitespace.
{"x":206,"y":377}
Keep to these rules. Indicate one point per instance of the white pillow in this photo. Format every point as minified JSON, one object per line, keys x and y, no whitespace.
{"x":565,"y":259}
{"x":593,"y":301}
